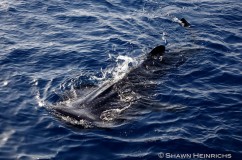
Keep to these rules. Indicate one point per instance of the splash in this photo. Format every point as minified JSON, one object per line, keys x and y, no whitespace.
{"x":38,"y":97}
{"x":39,"y":100}
{"x":124,"y":64}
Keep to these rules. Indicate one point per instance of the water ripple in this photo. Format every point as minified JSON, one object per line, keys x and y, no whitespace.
{"x":51,"y":50}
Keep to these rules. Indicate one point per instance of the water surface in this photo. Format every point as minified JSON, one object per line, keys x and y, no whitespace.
{"x":50,"y":49}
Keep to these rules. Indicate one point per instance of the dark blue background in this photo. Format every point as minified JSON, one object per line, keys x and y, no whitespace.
{"x":47,"y":47}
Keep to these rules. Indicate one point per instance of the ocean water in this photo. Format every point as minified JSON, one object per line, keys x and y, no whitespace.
{"x":53,"y":52}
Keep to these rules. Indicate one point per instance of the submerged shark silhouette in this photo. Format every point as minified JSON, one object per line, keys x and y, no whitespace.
{"x":100,"y":104}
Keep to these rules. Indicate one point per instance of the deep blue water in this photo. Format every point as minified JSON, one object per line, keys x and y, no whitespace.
{"x":49,"y":49}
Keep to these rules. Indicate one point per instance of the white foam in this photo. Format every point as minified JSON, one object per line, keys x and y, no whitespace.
{"x":4,"y":137}
{"x":112,"y":114}
{"x":124,"y":65}
{"x":5,"y":83}
{"x":39,"y":100}
{"x":175,"y":19}
{"x":4,"y":4}
{"x":164,"y":38}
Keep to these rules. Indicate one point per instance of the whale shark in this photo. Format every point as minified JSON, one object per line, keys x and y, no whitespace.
{"x":104,"y":103}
